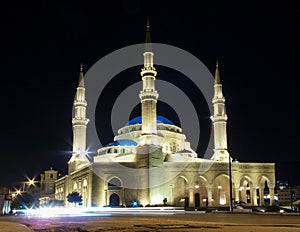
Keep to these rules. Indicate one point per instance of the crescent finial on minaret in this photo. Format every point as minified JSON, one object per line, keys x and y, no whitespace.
{"x":148,"y":47}
{"x":148,"y":24}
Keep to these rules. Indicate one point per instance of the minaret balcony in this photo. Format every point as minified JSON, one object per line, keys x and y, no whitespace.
{"x":148,"y":70}
{"x":148,"y":95}
{"x":216,"y":100}
{"x":80,"y":121}
{"x":219,"y":118}
{"x":80,"y":103}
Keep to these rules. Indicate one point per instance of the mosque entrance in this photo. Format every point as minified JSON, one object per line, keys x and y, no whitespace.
{"x":114,"y":200}
{"x":197,"y":199}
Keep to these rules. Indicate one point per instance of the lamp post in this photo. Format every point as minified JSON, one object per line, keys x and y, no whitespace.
{"x":230,"y":185}
{"x":291,"y":197}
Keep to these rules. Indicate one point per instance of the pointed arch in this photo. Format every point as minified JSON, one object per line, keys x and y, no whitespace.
{"x":115,"y":181}
{"x":75,"y":186}
{"x":185,"y":178}
{"x":245,"y":190}
{"x":220,"y":190}
{"x":180,"y":190}
{"x":263,"y":189}
{"x":200,"y":191}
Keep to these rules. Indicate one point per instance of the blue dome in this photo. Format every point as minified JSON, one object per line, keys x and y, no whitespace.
{"x":159,"y":119}
{"x":123,"y":142}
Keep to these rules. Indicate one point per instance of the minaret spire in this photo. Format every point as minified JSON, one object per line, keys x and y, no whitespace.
{"x":148,"y":47}
{"x":81,"y":79}
{"x":148,"y":54}
{"x":217,"y":74}
{"x":219,"y":120}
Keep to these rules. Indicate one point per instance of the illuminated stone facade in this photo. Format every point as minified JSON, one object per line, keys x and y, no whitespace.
{"x":166,"y":171}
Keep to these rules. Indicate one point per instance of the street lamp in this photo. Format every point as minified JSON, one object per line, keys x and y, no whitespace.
{"x":31,"y":182}
{"x":230,"y":184}
{"x":18,"y":192}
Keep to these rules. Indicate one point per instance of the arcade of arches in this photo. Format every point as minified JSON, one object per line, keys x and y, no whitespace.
{"x":201,"y":193}
{"x":210,"y":189}
{"x":252,"y":184}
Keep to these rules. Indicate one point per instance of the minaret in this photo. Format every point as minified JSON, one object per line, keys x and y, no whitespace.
{"x":148,"y":95}
{"x":219,"y":120}
{"x":79,"y":122}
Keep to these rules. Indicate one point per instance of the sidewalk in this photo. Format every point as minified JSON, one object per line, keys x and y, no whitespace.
{"x":13,"y":227}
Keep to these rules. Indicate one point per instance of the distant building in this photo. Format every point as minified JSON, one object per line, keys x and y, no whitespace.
{"x":157,"y":148}
{"x":289,"y":197}
{"x":47,"y":186}
{"x":282,"y":184}
{"x":5,"y":200}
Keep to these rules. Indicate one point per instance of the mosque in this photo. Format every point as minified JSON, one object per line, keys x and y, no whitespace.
{"x":150,"y":162}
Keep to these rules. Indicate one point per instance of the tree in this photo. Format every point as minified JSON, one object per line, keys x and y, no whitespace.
{"x":74,"y":197}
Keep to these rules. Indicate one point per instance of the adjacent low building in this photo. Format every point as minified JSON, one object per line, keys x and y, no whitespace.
{"x":47,"y":186}
{"x":289,"y":197}
{"x":5,"y":200}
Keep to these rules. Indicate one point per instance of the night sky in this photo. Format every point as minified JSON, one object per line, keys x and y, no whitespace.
{"x":43,"y":43}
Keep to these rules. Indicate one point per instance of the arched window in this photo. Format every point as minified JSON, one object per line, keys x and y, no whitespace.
{"x":84,"y":185}
{"x":174,"y":147}
{"x":114,"y":184}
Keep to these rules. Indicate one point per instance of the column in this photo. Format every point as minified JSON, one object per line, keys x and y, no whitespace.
{"x":191,"y":197}
{"x":90,"y":189}
{"x":271,"y":196}
{"x":209,"y":195}
{"x":237,"y":194}
{"x":261,"y":195}
{"x":254,"y":197}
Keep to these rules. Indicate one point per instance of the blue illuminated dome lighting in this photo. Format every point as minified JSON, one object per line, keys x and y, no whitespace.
{"x":159,"y":119}
{"x":123,"y":142}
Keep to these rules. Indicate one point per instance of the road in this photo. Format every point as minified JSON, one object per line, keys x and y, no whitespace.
{"x":161,"y":222}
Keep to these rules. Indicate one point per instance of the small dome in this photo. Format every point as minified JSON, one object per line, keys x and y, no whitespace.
{"x":122,"y":142}
{"x":159,"y":119}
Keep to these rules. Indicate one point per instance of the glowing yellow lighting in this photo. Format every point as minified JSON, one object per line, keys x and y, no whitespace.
{"x":222,"y":200}
{"x":30,"y":182}
{"x":197,"y":186}
{"x":18,"y":192}
{"x":219,"y":187}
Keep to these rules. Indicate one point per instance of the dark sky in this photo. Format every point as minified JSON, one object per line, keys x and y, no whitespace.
{"x":43,"y":43}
